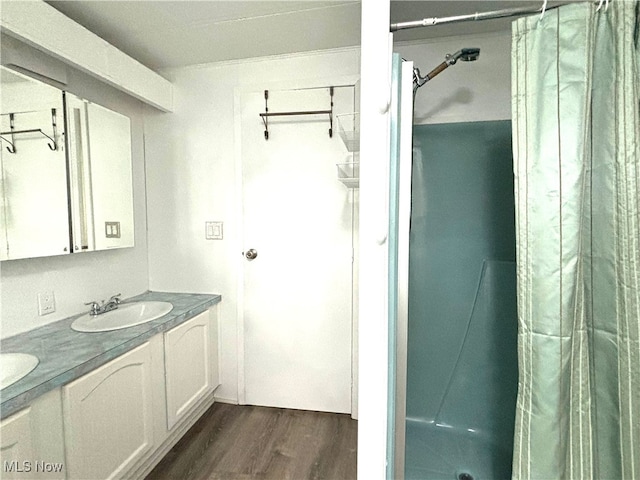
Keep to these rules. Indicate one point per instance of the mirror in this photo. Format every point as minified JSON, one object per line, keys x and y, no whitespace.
{"x":33,"y":180}
{"x":66,"y":186}
{"x":101,"y":191}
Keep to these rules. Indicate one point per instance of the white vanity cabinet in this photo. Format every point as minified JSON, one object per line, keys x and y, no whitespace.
{"x":31,"y":441}
{"x":191,"y":364}
{"x":108,"y":417}
{"x":123,"y":417}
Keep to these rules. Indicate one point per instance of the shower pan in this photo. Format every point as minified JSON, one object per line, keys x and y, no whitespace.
{"x":461,"y":346}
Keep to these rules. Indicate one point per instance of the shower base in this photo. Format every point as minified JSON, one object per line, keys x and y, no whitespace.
{"x":435,"y":452}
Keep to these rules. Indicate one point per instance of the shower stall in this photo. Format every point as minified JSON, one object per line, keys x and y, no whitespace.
{"x":455,"y":371}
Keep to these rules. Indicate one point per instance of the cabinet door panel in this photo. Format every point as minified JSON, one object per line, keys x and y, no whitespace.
{"x":188,"y":366}
{"x":32,"y":443}
{"x":16,"y":449}
{"x":108,"y":417}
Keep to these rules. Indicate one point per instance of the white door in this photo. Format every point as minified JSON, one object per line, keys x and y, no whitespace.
{"x":297,"y":216}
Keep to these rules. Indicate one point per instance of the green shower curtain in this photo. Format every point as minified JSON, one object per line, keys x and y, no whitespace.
{"x":576,"y":134}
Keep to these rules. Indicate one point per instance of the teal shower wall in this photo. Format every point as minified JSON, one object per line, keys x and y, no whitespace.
{"x":462,"y":358}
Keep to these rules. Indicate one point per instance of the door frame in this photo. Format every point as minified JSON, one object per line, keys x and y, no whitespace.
{"x":239,"y":92}
{"x":403,"y":108}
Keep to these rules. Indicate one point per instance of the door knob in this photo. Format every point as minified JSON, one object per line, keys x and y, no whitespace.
{"x":251,"y":254}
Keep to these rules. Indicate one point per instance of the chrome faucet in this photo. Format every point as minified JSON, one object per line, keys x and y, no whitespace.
{"x":99,"y":308}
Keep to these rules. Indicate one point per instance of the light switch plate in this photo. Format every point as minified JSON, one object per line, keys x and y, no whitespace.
{"x":46,"y":303}
{"x":213,"y":230}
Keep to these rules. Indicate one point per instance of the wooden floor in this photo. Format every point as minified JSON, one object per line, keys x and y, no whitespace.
{"x":240,"y":442}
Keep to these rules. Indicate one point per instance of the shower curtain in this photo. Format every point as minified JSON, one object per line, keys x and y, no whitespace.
{"x":576,"y":134}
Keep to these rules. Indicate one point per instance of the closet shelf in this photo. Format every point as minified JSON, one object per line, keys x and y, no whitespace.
{"x":349,"y":130}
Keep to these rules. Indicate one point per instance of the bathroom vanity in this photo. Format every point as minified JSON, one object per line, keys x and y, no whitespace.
{"x":109,"y":404}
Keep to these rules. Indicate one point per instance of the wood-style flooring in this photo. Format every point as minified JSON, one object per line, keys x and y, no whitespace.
{"x":241,"y":442}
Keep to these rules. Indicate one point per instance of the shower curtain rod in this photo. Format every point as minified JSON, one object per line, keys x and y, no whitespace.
{"x":507,"y":12}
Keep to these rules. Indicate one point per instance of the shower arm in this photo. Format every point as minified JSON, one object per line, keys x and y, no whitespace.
{"x":466,"y":54}
{"x":420,"y":80}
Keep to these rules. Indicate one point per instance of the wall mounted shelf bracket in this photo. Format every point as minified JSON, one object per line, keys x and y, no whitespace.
{"x":53,"y":145}
{"x":265,"y":116}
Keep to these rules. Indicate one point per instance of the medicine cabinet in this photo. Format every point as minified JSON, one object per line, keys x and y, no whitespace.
{"x":65,"y":177}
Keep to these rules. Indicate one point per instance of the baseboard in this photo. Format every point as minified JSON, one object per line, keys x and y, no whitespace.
{"x":231,"y":401}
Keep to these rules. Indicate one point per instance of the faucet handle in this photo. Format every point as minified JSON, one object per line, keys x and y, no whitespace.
{"x":94,"y":307}
{"x":116,"y":298}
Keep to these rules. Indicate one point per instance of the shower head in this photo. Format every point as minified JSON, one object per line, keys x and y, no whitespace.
{"x":465,"y":54}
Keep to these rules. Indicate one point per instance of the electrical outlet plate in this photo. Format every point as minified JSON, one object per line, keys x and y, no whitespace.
{"x":112,"y":229}
{"x":213,"y":230}
{"x":46,"y":303}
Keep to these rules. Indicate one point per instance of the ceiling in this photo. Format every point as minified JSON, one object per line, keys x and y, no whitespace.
{"x":165,"y":34}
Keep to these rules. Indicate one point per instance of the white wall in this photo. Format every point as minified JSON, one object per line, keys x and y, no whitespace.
{"x":466,"y":91}
{"x":373,"y":249}
{"x":78,"y":278}
{"x":191,"y":177}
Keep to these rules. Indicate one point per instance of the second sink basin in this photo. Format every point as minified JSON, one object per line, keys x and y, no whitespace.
{"x":14,"y":366}
{"x":126,"y":315}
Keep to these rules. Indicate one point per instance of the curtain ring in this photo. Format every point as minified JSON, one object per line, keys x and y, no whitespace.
{"x":600,"y":5}
{"x":543,"y":9}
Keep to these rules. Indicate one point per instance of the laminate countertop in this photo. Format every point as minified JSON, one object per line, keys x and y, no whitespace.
{"x":65,"y":354}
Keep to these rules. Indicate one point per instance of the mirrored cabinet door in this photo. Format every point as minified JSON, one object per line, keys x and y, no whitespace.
{"x":34,"y":217}
{"x":111,"y":183}
{"x":66,"y":178}
{"x":101,"y":185}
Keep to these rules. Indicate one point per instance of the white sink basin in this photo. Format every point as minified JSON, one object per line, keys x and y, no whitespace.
{"x":126,"y":315}
{"x":14,"y":366}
